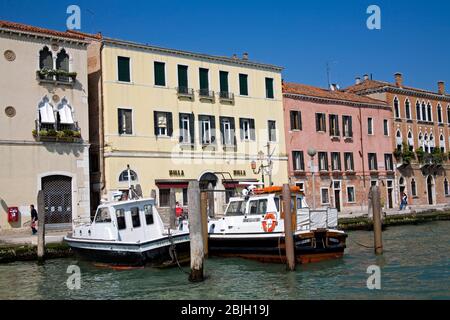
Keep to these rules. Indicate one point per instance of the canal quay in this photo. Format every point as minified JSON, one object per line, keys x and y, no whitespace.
{"x":415,"y":265}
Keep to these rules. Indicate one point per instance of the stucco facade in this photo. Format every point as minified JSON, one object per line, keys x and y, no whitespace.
{"x":345,"y":183}
{"x":31,"y":160}
{"x":161,"y":160}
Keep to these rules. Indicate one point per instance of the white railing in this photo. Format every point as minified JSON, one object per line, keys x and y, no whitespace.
{"x":308,"y":219}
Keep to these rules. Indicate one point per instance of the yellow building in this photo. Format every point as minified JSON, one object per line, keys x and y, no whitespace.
{"x":176,"y":116}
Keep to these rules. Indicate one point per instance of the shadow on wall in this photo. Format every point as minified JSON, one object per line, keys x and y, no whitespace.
{"x":65,"y":148}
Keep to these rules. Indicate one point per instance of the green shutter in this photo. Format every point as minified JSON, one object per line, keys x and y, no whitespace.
{"x":124,"y":69}
{"x":269,"y":88}
{"x":243,"y":84}
{"x":204,"y":81}
{"x":223,"y":81}
{"x":183,"y":77}
{"x":160,"y":74}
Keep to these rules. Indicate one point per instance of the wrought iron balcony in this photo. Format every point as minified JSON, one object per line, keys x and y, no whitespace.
{"x":206,"y":94}
{"x":56,"y":76}
{"x":226,"y":96}
{"x":184,"y":92}
{"x":56,"y":132}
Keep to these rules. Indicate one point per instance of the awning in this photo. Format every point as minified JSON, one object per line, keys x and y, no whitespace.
{"x":46,"y":113}
{"x":172,"y":184}
{"x":65,"y":114}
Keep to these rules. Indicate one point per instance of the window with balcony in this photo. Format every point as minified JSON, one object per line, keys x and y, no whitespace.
{"x":323,"y":161}
{"x":389,"y":162}
{"x":269,"y":88}
{"x":373,"y":166}
{"x":370,"y":126}
{"x":57,"y":70}
{"x":183,"y":82}
{"x":160,"y":73}
{"x":225,"y":93}
{"x":204,"y":84}
{"x":349,"y":163}
{"x":347,"y":125}
{"x":298,"y":161}
{"x":163,"y":123}
{"x":62,"y":66}
{"x":186,"y":128}
{"x":321,"y":125}
{"x":123,"y":67}
{"x":336,"y":161}
{"x":125,"y":117}
{"x":247,"y":127}
{"x":243,"y":84}
{"x":227,"y":131}
{"x":272,"y":128}
{"x":334,"y":125}
{"x":296,"y":120}
{"x":396,"y":108}
{"x":408,"y":109}
{"x":442,"y":143}
{"x":207,"y":126}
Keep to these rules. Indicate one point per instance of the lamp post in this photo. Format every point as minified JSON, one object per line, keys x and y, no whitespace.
{"x":312,"y":153}
{"x":263,"y":169}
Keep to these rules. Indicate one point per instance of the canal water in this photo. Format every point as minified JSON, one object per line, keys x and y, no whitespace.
{"x":415,"y":265}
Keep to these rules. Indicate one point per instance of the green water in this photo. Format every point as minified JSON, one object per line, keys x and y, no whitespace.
{"x":415,"y":265}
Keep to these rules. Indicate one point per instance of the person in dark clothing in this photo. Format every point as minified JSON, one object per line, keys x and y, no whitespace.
{"x":34,"y":218}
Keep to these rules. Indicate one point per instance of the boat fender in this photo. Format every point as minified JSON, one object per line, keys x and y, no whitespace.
{"x":270,"y":222}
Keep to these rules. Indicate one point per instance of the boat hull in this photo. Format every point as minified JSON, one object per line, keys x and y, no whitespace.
{"x":156,"y":253}
{"x":309,"y":247}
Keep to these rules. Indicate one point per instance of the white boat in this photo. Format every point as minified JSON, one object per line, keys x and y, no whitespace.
{"x":130,"y":233}
{"x":253,"y":228}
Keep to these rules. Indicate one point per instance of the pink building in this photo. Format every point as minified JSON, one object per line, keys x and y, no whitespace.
{"x":351,"y":139}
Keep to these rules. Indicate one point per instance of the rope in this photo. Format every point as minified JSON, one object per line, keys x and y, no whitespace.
{"x":173,"y":254}
{"x":360,"y":244}
{"x":279,"y":248}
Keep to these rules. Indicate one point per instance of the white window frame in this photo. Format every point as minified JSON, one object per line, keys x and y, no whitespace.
{"x":117,"y":71}
{"x":162,"y":132}
{"x":397,"y":113}
{"x":186,"y":132}
{"x":226,"y":128}
{"x":354,"y":193}
{"x":321,"y":196}
{"x":408,"y":106}
{"x":247,"y":130}
{"x":132,"y":121}
{"x":206,"y":137}
{"x":299,"y":167}
{"x":349,"y":167}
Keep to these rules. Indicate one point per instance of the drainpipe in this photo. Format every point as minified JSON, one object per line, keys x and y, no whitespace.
{"x":362,"y":147}
{"x":101,"y":128}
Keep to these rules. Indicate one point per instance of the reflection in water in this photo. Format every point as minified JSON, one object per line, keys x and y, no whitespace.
{"x":415,"y":265}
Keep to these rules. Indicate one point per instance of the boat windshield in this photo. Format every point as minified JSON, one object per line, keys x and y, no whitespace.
{"x":236,"y":208}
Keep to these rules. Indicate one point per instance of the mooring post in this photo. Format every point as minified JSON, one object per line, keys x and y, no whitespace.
{"x":41,"y":227}
{"x":211,"y":201}
{"x":195,"y":232}
{"x":173,"y":209}
{"x":289,"y":235}
{"x":204,"y":213}
{"x":377,"y":228}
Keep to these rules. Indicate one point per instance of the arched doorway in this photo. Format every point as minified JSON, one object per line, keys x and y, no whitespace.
{"x":430,"y":190}
{"x":57,"y":191}
{"x":208,"y":179}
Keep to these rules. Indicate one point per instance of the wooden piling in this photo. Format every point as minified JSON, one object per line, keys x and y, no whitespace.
{"x":41,"y":227}
{"x":211,"y":212}
{"x":173,"y":209}
{"x":288,"y":231}
{"x":195,"y":232}
{"x":377,"y":228}
{"x":204,"y":213}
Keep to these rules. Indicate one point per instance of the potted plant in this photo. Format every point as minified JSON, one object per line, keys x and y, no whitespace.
{"x":420,"y":155}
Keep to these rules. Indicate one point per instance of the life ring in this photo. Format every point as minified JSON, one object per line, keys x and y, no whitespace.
{"x":270,"y":222}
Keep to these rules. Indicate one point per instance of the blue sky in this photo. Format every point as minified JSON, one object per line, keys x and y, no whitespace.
{"x":301,"y":36}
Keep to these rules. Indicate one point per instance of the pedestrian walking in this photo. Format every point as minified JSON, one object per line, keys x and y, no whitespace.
{"x":34,"y":219}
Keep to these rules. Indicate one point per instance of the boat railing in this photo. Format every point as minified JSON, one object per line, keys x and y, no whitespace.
{"x":82,"y":221}
{"x":308,"y":219}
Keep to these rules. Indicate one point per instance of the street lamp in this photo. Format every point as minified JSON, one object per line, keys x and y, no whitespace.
{"x":312,"y":153}
{"x":263,"y":168}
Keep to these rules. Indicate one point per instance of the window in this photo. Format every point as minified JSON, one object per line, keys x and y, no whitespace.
{"x":258,"y":207}
{"x":164,"y":195}
{"x":324,"y":196}
{"x":351,"y":194}
{"x":298,"y":161}
{"x":45,"y":59}
{"x":386,"y":127}
{"x":373,"y":162}
{"x":64,"y":116}
{"x":46,"y":115}
{"x":446,"y":190}
{"x":301,"y":186}
{"x":336,"y":161}
{"x":223,"y":78}
{"x":321,"y":125}
{"x":296,"y":120}
{"x":103,"y":216}
{"x":418,"y":116}
{"x":135,"y":219}
{"x":374,"y":183}
{"x":236,"y":208}
{"x":62,"y":63}
{"x":388,"y":162}
{"x":123,"y":177}
{"x":396,"y":108}
{"x":186,"y":128}
{"x":163,"y":124}
{"x":399,"y":140}
{"x":442,"y":143}
{"x":160,"y":74}
{"x":247,"y":127}
{"x":349,"y":164}
{"x":424,"y":112}
{"x":123,"y":69}
{"x":272,"y":127}
{"x":227,"y":131}
{"x":125,"y":117}
{"x":243,"y":84}
{"x":148,"y":211}
{"x":185,"y":197}
{"x":370,"y":126}
{"x":429,"y":113}
{"x":120,"y":216}
{"x":204,"y":81}
{"x":408,"y":109}
{"x":410,"y":141}
{"x":269,"y":88}
{"x":207,"y":129}
{"x":183,"y":83}
{"x":334,"y":125}
{"x":439,"y":113}
{"x":448,"y":114}
{"x":347,"y":126}
{"x":413,"y":187}
{"x":323,"y":161}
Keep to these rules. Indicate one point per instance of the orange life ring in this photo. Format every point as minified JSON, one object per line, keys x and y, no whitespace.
{"x":270,"y":222}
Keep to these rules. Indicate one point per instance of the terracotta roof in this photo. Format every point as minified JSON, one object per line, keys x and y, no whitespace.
{"x":37,"y":30}
{"x":97,"y":36}
{"x":341,"y":96}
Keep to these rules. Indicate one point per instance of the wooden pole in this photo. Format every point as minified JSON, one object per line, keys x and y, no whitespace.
{"x":204,"y":213}
{"x":41,"y":227}
{"x":195,"y":232}
{"x":211,"y":200}
{"x":377,"y":228}
{"x":173,"y":209}
{"x":289,"y":235}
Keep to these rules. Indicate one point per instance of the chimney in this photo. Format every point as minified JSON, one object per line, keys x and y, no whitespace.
{"x":245,"y":56}
{"x":366,"y":77}
{"x":357,"y":80}
{"x":441,"y":87}
{"x":398,"y":79}
{"x":334,"y":87}
{"x":235,"y":57}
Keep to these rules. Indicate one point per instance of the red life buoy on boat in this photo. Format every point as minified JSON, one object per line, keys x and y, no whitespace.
{"x":270,"y":222}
